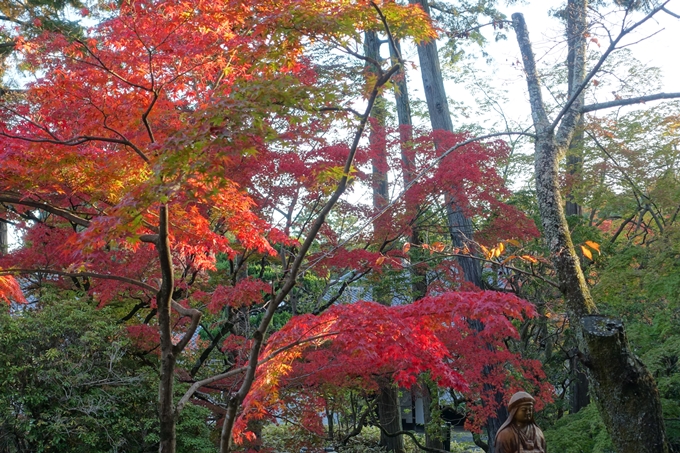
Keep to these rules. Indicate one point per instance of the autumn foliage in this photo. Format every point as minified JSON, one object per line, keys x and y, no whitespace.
{"x":354,"y":346}
{"x":221,"y":115}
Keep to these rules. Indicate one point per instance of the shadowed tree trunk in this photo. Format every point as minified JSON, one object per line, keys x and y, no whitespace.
{"x":460,"y":227}
{"x":624,"y":390}
{"x":401,"y":97}
{"x":388,"y":394}
{"x":4,"y":238}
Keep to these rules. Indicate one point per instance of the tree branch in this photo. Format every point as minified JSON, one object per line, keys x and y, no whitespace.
{"x":538,"y":113}
{"x":612,"y":46}
{"x":629,"y":101}
{"x":408,"y":186}
{"x":68,"y":215}
{"x":80,"y":274}
{"x":75,"y":141}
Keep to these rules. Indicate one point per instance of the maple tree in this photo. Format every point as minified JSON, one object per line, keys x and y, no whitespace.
{"x":130,"y":158}
{"x":357,"y":345}
{"x":184,"y":158}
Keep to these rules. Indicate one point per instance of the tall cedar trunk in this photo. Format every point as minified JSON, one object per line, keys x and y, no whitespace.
{"x":574,"y":156}
{"x":578,"y":396}
{"x":460,"y":227}
{"x":388,"y":398}
{"x":401,"y":97}
{"x":4,"y":238}
{"x":624,"y":390}
{"x":578,"y":392}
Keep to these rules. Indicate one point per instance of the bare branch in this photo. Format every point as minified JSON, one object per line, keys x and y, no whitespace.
{"x":120,"y":278}
{"x":538,"y":113}
{"x":665,"y":10}
{"x":79,"y":140}
{"x":612,"y":46}
{"x":629,"y":101}
{"x":68,"y":215}
{"x":218,"y":377}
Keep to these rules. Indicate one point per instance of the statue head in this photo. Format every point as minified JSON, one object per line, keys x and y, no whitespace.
{"x":520,"y":409}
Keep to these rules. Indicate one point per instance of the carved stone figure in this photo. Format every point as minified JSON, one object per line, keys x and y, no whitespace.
{"x":519,"y":433}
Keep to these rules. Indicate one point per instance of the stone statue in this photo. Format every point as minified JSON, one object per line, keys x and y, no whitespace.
{"x":519,"y":433}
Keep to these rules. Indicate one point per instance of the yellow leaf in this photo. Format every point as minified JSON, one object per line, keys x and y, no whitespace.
{"x":548,"y":315}
{"x":593,"y":245}
{"x":406,"y":247}
{"x":485,"y":250}
{"x":514,"y":242}
{"x":380,"y":260}
{"x":501,"y":248}
{"x":586,"y":252}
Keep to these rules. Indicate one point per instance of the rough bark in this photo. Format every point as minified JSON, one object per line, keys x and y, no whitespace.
{"x":460,"y":227}
{"x":401,"y":97}
{"x":390,"y":417}
{"x":4,"y":237}
{"x":376,"y":137}
{"x":627,"y":395}
{"x":630,"y":406}
{"x":168,"y":358}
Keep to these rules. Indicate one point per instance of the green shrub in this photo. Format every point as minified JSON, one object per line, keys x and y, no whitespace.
{"x":583,"y":432}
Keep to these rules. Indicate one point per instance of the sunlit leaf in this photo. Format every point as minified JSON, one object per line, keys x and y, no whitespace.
{"x":586,"y":252}
{"x":593,"y":245}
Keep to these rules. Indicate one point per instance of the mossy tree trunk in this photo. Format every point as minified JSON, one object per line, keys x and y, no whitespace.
{"x":624,"y":390}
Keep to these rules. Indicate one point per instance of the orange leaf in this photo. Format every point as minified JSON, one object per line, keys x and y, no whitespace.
{"x":380,"y":260}
{"x":508,"y":259}
{"x":406,"y":247}
{"x":593,"y":245}
{"x":514,"y":242}
{"x":438,"y":246}
{"x":586,"y":252}
{"x":529,"y":258}
{"x":486,"y":251}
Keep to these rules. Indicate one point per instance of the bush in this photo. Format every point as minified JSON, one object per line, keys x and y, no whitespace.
{"x":583,"y":432}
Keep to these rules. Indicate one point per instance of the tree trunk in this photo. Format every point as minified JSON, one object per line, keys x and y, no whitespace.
{"x":389,"y":415}
{"x":460,"y":227}
{"x":4,"y":238}
{"x":164,"y":299}
{"x":401,"y":97}
{"x":578,"y":391}
{"x":432,"y":440}
{"x":625,"y":391}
